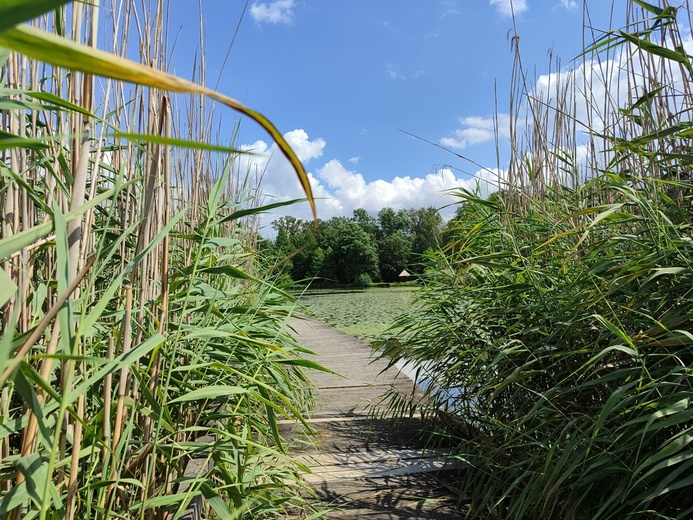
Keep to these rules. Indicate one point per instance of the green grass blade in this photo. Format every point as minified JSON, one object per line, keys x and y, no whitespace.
{"x":13,"y":12}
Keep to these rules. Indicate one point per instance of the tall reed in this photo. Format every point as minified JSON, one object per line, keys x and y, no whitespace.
{"x":559,"y":319}
{"x":136,"y":333}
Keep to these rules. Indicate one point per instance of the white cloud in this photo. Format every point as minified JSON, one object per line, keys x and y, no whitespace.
{"x":355,"y":160}
{"x":279,"y":178}
{"x":392,"y":72}
{"x":477,"y":130}
{"x":305,"y":149}
{"x":279,"y":11}
{"x":508,"y":7}
{"x":569,"y":4}
{"x":449,"y":7}
{"x":351,"y":190}
{"x":587,"y":89}
{"x":340,"y":190}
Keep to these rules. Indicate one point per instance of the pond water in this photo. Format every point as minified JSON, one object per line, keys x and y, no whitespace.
{"x":424,"y":376}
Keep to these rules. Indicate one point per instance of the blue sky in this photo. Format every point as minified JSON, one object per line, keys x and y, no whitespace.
{"x":345,"y":80}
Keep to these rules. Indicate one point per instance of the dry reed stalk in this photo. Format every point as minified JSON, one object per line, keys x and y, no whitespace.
{"x":164,"y":212}
{"x":120,"y":415}
{"x":553,"y":118}
{"x":36,"y":334}
{"x":155,"y":175}
{"x":10,"y":223}
{"x":76,"y":237}
{"x":70,"y":172}
{"x":28,"y":440}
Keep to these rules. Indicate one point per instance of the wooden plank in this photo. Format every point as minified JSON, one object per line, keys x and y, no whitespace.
{"x":368,"y":456}
{"x":359,"y":464}
{"x":319,"y":420}
{"x":373,"y":463}
{"x":376,"y":470}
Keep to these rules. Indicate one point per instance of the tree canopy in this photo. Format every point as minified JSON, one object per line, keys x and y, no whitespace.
{"x":358,"y":249}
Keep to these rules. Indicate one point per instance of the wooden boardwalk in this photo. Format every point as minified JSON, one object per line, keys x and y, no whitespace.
{"x":361,"y":467}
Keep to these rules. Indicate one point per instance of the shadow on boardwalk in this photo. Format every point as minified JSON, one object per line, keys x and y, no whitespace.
{"x":363,"y":467}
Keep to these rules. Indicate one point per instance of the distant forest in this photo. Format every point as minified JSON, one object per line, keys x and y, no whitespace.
{"x":357,"y":250}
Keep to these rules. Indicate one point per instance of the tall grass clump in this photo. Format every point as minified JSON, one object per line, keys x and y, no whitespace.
{"x":559,"y":319}
{"x":144,"y":358}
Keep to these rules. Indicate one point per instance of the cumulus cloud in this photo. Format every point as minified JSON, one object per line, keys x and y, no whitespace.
{"x":569,"y":4}
{"x":339,"y":189}
{"x":616,"y":80}
{"x":277,"y":12}
{"x":304,"y":148}
{"x":477,"y":130}
{"x":586,"y":87}
{"x":266,"y":160}
{"x":508,"y":7}
{"x":352,"y":191}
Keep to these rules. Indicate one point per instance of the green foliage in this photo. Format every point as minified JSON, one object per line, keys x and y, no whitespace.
{"x":13,"y":12}
{"x":354,"y":254}
{"x":392,"y":222}
{"x":394,"y":252}
{"x":340,"y":250}
{"x":363,"y":280}
{"x":567,"y":354}
{"x":368,"y":223}
{"x":426,"y":224}
{"x":559,"y":318}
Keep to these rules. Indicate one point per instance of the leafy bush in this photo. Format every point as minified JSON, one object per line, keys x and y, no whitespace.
{"x":363,"y":280}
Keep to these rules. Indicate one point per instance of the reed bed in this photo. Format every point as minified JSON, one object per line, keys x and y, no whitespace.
{"x":137,"y":331}
{"x":559,"y":317}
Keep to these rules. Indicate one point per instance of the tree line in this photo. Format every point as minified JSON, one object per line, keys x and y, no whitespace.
{"x":356,"y":250}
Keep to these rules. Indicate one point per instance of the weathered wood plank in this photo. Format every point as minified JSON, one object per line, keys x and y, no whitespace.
{"x":373,"y":463}
{"x":362,"y":466}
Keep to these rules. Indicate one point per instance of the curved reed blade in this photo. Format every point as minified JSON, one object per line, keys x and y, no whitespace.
{"x":62,"y":52}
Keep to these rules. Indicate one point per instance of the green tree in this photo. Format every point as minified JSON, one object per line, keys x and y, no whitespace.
{"x":368,"y":223}
{"x":291,"y":225}
{"x":393,"y":255}
{"x":353,"y":253}
{"x":283,"y":244}
{"x":318,"y":265}
{"x":296,"y":238}
{"x":426,"y":228}
{"x":391,"y":222}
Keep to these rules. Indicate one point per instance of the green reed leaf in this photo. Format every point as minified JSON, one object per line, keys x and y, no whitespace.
{"x":7,"y":288}
{"x":13,"y":12}
{"x":210,"y":392}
